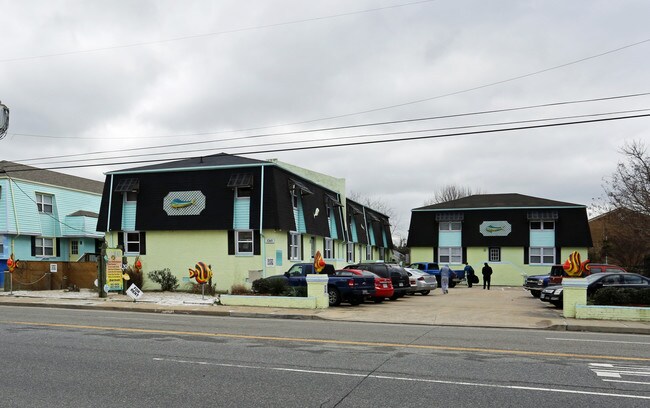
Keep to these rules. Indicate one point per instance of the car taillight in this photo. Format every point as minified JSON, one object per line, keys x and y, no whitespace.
{"x":350,"y":282}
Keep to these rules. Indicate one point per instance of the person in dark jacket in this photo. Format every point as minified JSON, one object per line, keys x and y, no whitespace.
{"x":469,"y":274}
{"x":487,"y":273}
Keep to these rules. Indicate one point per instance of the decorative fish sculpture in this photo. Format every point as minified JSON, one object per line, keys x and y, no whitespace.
{"x":202,"y":272}
{"x":319,"y":262}
{"x":178,"y":203}
{"x":574,"y":268}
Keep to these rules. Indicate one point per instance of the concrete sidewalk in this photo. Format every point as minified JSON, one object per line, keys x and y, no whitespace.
{"x":501,"y":307}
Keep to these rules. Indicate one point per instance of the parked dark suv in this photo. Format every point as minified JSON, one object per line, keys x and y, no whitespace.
{"x":396,"y":273}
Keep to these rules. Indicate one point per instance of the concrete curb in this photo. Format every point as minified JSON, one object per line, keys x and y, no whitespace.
{"x":201,"y":310}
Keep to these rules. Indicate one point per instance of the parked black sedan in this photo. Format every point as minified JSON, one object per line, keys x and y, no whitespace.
{"x":553,"y":294}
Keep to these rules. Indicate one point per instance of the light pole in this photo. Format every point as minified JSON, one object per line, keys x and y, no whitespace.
{"x":4,"y":119}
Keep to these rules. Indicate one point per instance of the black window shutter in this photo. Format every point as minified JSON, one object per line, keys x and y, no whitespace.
{"x":558,"y":255}
{"x":120,"y":239}
{"x":57,"y":244}
{"x":143,"y":243}
{"x":33,"y":246}
{"x":526,"y":255}
{"x":333,"y":248}
{"x":465,"y":254}
{"x":231,"y":242}
{"x":257,"y":242}
{"x":302,"y":247}
{"x":288,"y":245}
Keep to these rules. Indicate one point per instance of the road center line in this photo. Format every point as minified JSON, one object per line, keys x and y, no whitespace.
{"x":410,"y":379}
{"x":598,"y":341}
{"x":328,"y":341}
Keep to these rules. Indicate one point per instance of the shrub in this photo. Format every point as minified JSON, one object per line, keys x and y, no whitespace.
{"x":297,"y":291}
{"x":239,"y":289}
{"x":210,"y":289}
{"x":135,"y":277}
{"x":275,"y":287}
{"x":621,"y":297}
{"x":165,"y":279}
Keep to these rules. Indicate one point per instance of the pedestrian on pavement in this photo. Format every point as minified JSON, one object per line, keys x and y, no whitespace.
{"x":445,"y":273}
{"x":469,"y":274}
{"x":487,"y":273}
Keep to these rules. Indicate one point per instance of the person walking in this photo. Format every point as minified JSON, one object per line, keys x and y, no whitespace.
{"x":445,"y":273}
{"x":469,"y":274}
{"x":487,"y":273}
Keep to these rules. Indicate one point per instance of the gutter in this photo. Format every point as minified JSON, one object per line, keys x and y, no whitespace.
{"x":177,"y":169}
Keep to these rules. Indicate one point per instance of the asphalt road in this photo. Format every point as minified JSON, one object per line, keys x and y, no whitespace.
{"x":82,"y":358}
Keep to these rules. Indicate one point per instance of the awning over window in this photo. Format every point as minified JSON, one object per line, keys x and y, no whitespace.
{"x":295,"y":184}
{"x":450,"y":216}
{"x":542,"y":215}
{"x":333,"y":200}
{"x":354,"y":208}
{"x":372,"y":217}
{"x":128,"y":185}
{"x":240,"y":180}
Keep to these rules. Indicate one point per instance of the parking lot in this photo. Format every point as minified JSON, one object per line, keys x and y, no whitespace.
{"x":463,"y":306}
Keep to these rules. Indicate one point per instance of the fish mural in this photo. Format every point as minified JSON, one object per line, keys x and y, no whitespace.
{"x":574,"y":268}
{"x":201,"y":272}
{"x":492,"y":228}
{"x":178,"y":203}
{"x":319,"y":262}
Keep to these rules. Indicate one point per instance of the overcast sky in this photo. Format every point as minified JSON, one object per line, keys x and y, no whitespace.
{"x":81,"y":77}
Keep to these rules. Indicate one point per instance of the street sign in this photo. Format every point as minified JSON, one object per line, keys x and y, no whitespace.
{"x":134,"y":292}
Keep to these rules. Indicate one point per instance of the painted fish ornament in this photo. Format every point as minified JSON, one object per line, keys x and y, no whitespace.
{"x":319,"y":262}
{"x":574,"y":268}
{"x":11,"y":263}
{"x":202,"y":273}
{"x":178,"y":203}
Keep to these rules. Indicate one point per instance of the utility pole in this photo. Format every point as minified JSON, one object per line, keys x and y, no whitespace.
{"x":101,"y":271}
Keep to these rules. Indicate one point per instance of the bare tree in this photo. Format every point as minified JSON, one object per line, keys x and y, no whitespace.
{"x":451,"y":192}
{"x":627,"y":201}
{"x":629,"y":186}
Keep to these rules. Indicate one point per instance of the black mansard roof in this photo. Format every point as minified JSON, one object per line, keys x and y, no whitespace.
{"x":494,"y":201}
{"x":196,"y":163}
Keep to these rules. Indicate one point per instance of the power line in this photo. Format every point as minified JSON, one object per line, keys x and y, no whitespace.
{"x":212,"y":34}
{"x":479,"y":132}
{"x":329,"y":139}
{"x":457,"y":115}
{"x":411,"y":120}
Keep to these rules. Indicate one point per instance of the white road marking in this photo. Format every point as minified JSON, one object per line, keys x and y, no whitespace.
{"x":598,"y":341}
{"x":609,"y":371}
{"x":410,"y":379}
{"x":628,"y":382}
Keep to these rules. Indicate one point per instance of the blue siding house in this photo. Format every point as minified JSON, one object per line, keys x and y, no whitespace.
{"x":46,"y":216}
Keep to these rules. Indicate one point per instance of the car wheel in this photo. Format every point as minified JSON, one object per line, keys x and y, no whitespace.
{"x":452,"y":284}
{"x":356,"y":301}
{"x":536,"y":293}
{"x":378,"y":300}
{"x":334,"y":296}
{"x":394,"y":297}
{"x":425,"y":292}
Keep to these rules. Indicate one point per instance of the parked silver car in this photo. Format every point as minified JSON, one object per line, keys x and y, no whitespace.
{"x":421,"y":282}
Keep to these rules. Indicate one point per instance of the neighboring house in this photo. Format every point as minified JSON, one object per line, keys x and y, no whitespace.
{"x":247,"y":218}
{"x":46,"y":216}
{"x":517,"y":235}
{"x":621,"y":237}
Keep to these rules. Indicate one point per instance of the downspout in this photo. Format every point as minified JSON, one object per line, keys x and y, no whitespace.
{"x":262,"y":239}
{"x":108,"y":219}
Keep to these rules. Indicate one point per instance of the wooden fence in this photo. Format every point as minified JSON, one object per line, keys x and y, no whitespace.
{"x":36,"y":275}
